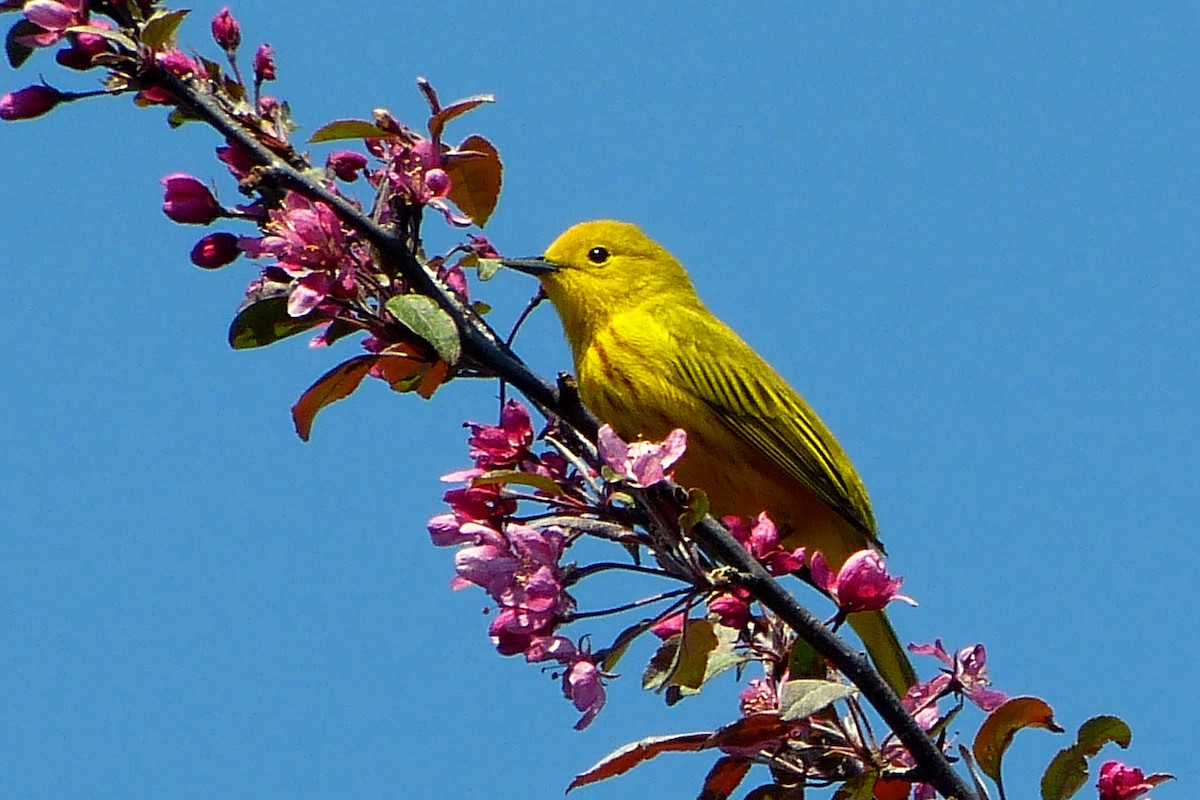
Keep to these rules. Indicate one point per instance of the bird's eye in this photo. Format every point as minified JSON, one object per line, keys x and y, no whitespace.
{"x":598,"y":255}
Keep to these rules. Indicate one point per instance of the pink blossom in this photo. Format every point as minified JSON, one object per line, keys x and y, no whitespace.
{"x":732,"y":608}
{"x":480,"y":246}
{"x":669,"y":626}
{"x":641,"y":463}
{"x":862,"y":584}
{"x":762,"y":542}
{"x":302,"y":234}
{"x":414,"y":170}
{"x":967,"y":676}
{"x":582,"y":681}
{"x":505,"y":444}
{"x":189,"y":201}
{"x":237,"y":158}
{"x":517,"y":566}
{"x":215,"y":250}
{"x":30,"y":102}
{"x":760,"y":697}
{"x":311,"y":246}
{"x":346,"y":164}
{"x":226,"y":31}
{"x":480,"y":502}
{"x":1121,"y":782}
{"x":264,"y":64}
{"x":53,"y":17}
{"x":582,"y":686}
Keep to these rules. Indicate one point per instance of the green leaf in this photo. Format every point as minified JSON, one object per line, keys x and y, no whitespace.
{"x":114,"y":36}
{"x":542,"y":483}
{"x":159,"y":31}
{"x":610,"y":656}
{"x":687,"y":661}
{"x":1067,"y":772}
{"x":339,"y":382}
{"x":349,"y":129}
{"x":19,"y":53}
{"x":1099,"y":731}
{"x":475,"y":180}
{"x":181,"y":115}
{"x":487,"y":267}
{"x":697,"y":509}
{"x":804,"y":661}
{"x":263,"y":322}
{"x":803,"y":698}
{"x":998,"y":730}
{"x":699,"y":639}
{"x":861,"y":787}
{"x":423,"y":317}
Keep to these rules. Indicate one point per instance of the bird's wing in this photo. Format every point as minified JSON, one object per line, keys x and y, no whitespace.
{"x":758,"y":406}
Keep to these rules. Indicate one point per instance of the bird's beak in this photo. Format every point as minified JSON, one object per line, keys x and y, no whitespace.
{"x":530,"y":266}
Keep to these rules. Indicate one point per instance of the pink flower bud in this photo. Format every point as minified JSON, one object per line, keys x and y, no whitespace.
{"x":346,"y":164}
{"x":30,"y":102}
{"x":862,"y":584}
{"x":52,"y":15}
{"x":215,"y":250}
{"x":438,"y":182}
{"x":189,"y":201}
{"x":84,"y":48}
{"x":180,"y":64}
{"x":226,"y":31}
{"x":264,"y":64}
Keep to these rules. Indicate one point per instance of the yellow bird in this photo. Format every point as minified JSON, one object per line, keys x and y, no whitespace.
{"x":650,"y":357}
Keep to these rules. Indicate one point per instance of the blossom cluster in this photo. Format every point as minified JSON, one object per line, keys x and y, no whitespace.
{"x":518,"y":565}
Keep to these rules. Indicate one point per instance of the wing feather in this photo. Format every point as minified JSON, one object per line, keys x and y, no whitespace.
{"x":755,"y":404}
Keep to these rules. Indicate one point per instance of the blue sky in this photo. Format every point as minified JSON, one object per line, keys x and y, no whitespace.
{"x":967,"y":235}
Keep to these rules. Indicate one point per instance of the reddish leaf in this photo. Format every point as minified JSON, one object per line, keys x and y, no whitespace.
{"x":438,"y":121}
{"x":891,"y":789}
{"x":475,"y":182}
{"x":998,"y":730}
{"x":752,"y":731}
{"x":725,"y":776}
{"x":339,"y":382}
{"x":432,"y":378}
{"x":405,"y":370}
{"x":626,"y":758}
{"x":18,"y":53}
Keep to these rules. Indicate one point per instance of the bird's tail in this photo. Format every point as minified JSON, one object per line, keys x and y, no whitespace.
{"x":884,"y":648}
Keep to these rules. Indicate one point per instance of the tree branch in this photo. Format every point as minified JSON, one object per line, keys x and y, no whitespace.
{"x":481,"y":343}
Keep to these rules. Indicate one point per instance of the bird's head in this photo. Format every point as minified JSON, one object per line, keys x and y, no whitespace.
{"x":598,"y":268}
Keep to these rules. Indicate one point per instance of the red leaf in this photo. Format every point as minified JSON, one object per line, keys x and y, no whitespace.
{"x":752,"y":731}
{"x":626,"y":758}
{"x":475,"y":181}
{"x":725,"y":776}
{"x":339,"y":382}
{"x":438,"y":121}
